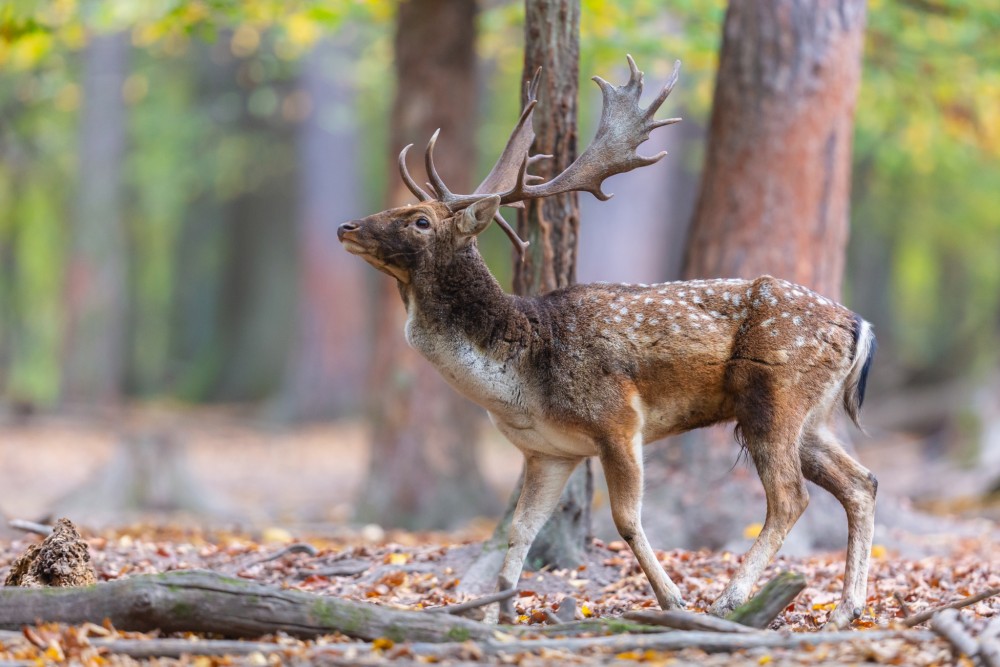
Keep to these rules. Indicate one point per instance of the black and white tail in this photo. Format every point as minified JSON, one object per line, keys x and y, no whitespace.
{"x":857,"y":377}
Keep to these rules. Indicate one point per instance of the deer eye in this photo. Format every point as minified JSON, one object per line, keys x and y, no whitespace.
{"x":423,"y":223}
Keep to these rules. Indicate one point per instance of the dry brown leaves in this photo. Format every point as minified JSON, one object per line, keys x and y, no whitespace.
{"x":423,"y":571}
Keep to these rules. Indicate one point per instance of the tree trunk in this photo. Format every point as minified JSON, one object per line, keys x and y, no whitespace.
{"x":423,"y":471}
{"x":257,"y":272}
{"x":776,"y":189}
{"x":774,"y":199}
{"x":328,"y":359}
{"x":96,"y":278}
{"x":551,"y":225}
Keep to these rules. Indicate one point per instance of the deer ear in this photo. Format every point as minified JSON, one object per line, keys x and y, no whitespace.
{"x":478,"y":216}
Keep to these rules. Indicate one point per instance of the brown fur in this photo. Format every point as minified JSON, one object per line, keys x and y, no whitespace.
{"x":602,"y":369}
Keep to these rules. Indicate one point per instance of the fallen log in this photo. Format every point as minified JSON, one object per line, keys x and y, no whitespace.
{"x":201,"y":601}
{"x":713,"y":642}
{"x":663,"y":641}
{"x":947,"y":624}
{"x":761,"y":610}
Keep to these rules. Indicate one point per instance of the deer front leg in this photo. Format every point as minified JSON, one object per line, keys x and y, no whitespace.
{"x":777,"y":462}
{"x":622,"y":464}
{"x":544,"y":479}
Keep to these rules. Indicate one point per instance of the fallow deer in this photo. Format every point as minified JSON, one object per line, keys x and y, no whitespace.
{"x":602,"y":369}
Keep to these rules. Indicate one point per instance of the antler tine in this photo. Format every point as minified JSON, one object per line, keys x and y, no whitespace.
{"x":531,"y":87}
{"x":634,"y":74}
{"x":511,"y":234}
{"x":662,"y":96}
{"x":436,"y":183}
{"x":405,"y":174}
{"x":623,"y":127}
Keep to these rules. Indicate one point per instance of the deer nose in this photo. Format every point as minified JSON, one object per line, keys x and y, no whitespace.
{"x":346,"y":228}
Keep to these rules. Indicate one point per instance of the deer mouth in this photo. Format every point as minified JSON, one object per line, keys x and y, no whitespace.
{"x":353,"y":247}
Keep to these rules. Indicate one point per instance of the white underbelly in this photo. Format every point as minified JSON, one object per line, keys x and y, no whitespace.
{"x":538,"y":436}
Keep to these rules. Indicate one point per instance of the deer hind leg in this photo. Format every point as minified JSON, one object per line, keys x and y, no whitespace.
{"x":774,"y":449}
{"x":825,"y":463}
{"x":544,"y":479}
{"x":622,"y":462}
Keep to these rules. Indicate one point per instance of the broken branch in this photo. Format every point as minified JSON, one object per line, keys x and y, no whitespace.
{"x":927,"y":614}
{"x":499,"y":596}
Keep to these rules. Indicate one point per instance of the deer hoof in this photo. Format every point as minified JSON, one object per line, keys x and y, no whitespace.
{"x":842,"y":617}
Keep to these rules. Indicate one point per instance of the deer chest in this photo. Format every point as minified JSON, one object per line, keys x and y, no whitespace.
{"x":491,"y":383}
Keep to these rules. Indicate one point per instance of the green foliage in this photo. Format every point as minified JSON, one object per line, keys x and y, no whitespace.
{"x":926,"y":149}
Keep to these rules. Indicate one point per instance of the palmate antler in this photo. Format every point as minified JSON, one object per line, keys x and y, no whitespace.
{"x":623,"y":126}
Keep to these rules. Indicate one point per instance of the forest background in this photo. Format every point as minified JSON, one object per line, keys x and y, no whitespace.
{"x":175,"y":309}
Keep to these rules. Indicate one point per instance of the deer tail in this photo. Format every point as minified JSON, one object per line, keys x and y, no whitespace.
{"x":857,"y":377}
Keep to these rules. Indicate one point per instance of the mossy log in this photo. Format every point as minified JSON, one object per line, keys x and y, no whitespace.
{"x":761,"y":610}
{"x":201,"y":601}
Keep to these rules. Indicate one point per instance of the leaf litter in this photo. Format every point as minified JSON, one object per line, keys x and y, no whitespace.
{"x":423,"y":571}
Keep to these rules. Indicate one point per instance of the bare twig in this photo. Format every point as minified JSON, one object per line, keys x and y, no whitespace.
{"x":346,"y":568}
{"x":685,"y":620}
{"x":927,"y":614}
{"x":297,"y":548}
{"x":175,"y":648}
{"x":903,"y":607}
{"x":30,"y":527}
{"x":499,"y":596}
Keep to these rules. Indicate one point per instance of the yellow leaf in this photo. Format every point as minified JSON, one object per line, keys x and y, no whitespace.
{"x":878,"y":551}
{"x":398,"y":559}
{"x":383,"y":643}
{"x":523,"y":618}
{"x":752,"y":530}
{"x":829,"y":606}
{"x":764,"y":659}
{"x":54,"y":652}
{"x":586,"y":611}
{"x":274,"y":534}
{"x":629,"y":655}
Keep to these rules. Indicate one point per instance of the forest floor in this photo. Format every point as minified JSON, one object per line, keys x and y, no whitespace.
{"x":419,"y":571}
{"x":274,"y":487}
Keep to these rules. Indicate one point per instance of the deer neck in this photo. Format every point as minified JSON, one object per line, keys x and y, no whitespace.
{"x":463,"y":300}
{"x":462,"y":321}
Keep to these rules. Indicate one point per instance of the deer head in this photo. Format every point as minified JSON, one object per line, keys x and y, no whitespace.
{"x":412,"y":241}
{"x":406,"y":241}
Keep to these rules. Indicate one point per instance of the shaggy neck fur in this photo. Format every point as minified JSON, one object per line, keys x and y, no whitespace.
{"x":464,"y":300}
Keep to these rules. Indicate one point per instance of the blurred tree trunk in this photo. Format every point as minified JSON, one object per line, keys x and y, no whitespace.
{"x":96,"y":277}
{"x":774,"y":199}
{"x":423,"y":471}
{"x":551,"y":225}
{"x":776,"y":189}
{"x":330,"y":351}
{"x":256,"y":316}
